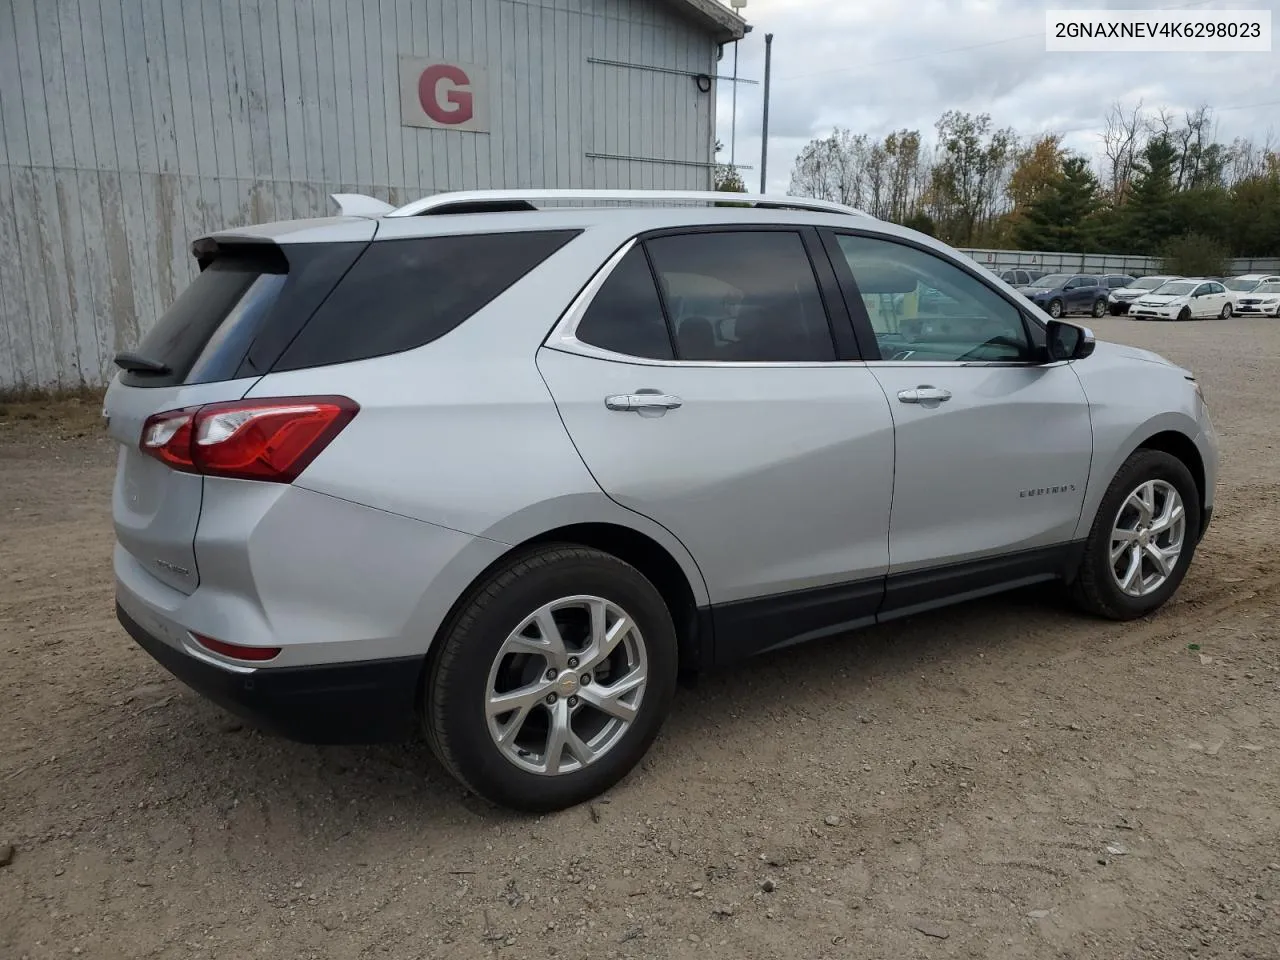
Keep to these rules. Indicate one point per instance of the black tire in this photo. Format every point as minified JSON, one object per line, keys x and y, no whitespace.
{"x":1055,"y":309}
{"x":1184,"y":314}
{"x":1226,"y":311}
{"x":1094,"y":589}
{"x":457,"y":684}
{"x":1115,"y":311}
{"x":1099,"y":308}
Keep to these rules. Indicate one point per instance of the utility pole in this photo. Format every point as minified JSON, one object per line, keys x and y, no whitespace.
{"x":764,"y":126}
{"x":733,"y":124}
{"x":738,"y":6}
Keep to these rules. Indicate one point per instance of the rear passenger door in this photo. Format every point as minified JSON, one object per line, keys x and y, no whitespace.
{"x":705,"y":387}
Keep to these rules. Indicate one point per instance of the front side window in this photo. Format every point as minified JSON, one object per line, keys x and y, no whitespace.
{"x":1203,"y":289}
{"x":943,"y":313}
{"x":742,"y":296}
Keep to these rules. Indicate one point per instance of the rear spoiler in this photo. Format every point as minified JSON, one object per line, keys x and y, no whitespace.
{"x":358,"y":205}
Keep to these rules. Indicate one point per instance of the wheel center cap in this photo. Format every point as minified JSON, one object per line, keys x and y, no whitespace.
{"x":567,"y":684}
{"x":1144,"y":538}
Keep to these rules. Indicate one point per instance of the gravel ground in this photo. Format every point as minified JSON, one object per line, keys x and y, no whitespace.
{"x":1005,"y":779}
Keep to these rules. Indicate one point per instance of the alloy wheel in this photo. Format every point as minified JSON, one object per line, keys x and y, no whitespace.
{"x":1147,"y":538}
{"x":566,"y":685}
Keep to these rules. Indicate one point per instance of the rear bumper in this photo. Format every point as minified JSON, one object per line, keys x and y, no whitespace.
{"x":368,"y":702}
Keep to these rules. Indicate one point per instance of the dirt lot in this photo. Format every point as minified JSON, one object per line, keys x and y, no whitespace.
{"x":1002,"y":780}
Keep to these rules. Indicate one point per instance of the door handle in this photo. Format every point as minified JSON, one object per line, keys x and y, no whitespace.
{"x":642,"y":401}
{"x":924,"y":394}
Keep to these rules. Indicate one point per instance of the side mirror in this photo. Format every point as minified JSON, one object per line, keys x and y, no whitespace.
{"x":1066,"y":341}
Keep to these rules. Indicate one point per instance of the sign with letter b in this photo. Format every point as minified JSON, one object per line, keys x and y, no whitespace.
{"x":446,"y":96}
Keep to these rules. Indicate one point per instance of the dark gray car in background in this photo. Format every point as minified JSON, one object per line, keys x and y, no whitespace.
{"x":1061,"y":293}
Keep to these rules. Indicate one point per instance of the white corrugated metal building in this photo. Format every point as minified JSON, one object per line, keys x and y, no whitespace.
{"x":130,"y":127}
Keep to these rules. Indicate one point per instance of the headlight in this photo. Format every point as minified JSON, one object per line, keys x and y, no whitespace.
{"x":1270,"y":300}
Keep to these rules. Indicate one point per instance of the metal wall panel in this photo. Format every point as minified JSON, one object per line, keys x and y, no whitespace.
{"x":129,"y":127}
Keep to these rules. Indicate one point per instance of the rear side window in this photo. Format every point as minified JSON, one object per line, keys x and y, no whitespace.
{"x":742,"y":296}
{"x":625,"y":315}
{"x":402,"y":294}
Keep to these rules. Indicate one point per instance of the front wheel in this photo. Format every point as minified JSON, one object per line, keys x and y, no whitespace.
{"x":1055,"y":309}
{"x":1184,"y":314}
{"x":1115,"y":310}
{"x":1226,"y":311}
{"x":1142,"y":539}
{"x":552,"y":680}
{"x":1099,"y":308}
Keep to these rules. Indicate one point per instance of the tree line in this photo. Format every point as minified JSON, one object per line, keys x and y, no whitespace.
{"x":1160,"y":185}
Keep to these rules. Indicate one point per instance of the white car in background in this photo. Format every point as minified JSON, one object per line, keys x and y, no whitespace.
{"x":1262,"y":300}
{"x":1120,"y":300}
{"x":1238,"y":287}
{"x":1187,"y":299}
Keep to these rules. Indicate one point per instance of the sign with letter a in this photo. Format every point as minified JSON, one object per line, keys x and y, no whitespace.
{"x":446,"y":96}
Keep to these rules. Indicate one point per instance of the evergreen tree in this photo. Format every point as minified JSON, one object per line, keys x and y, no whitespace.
{"x":1151,"y":211}
{"x":1061,"y":215}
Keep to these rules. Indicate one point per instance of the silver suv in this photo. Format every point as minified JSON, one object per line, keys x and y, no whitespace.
{"x":504,"y":466}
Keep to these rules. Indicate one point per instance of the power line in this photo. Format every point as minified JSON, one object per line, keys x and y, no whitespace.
{"x":945,"y":50}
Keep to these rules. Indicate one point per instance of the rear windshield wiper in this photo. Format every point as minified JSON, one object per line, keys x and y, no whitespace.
{"x":134,"y":363}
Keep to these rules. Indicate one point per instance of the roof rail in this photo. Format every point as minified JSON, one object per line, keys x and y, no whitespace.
{"x":358,"y":205}
{"x":504,"y":201}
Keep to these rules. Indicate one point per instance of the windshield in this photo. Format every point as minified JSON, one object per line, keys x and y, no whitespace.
{"x":1052,"y":280}
{"x":1268,"y":288}
{"x":1240,"y":284}
{"x":1148,"y":283}
{"x":1176,"y":289}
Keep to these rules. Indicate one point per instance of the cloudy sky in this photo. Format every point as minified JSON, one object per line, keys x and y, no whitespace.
{"x":879,"y":65}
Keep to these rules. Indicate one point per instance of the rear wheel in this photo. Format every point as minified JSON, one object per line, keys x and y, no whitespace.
{"x":1099,"y":308}
{"x":1055,"y":309}
{"x":1142,"y":539}
{"x":553,"y":680}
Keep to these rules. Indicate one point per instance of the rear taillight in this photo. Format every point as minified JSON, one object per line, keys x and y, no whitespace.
{"x":271,"y":439}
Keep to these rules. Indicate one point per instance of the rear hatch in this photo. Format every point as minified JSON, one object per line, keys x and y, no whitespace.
{"x":228,"y":327}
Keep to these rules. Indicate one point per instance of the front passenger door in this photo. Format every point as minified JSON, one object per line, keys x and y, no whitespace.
{"x":992,"y":446}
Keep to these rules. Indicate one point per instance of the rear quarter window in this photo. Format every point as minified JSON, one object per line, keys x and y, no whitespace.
{"x":403,"y":294}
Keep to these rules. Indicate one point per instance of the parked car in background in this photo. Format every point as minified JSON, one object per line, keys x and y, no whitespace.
{"x":1122,"y":298}
{"x":1020,"y":276}
{"x":1190,"y":299}
{"x":1238,"y":287}
{"x":1116,"y":281}
{"x":1264,"y":300}
{"x":1061,"y":293}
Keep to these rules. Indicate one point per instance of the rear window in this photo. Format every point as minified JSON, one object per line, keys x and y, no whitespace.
{"x":214,"y":317}
{"x":402,"y":294}
{"x":234,"y":319}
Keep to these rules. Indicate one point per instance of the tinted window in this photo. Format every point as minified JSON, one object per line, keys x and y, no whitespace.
{"x":1203,"y":289}
{"x":625,"y":315}
{"x":747,"y":297}
{"x":205,"y":333}
{"x":944,"y":312}
{"x":1217,"y":288}
{"x":402,"y":294}
{"x":1087,"y":282}
{"x":1117,"y":282}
